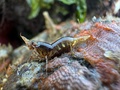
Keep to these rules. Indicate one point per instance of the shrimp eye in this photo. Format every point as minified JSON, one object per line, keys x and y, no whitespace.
{"x":31,"y":45}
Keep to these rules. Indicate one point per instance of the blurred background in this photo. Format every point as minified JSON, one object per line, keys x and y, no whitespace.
{"x":26,"y":16}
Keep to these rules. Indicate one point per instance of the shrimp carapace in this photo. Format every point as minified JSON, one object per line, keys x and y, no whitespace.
{"x":58,"y":47}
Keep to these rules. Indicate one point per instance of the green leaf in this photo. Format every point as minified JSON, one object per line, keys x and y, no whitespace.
{"x":37,"y":5}
{"x":48,"y":1}
{"x":68,"y":2}
{"x":81,"y":9}
{"x":34,"y":13}
{"x":35,"y":8}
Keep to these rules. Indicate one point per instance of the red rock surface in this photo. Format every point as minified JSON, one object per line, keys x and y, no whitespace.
{"x":105,"y":36}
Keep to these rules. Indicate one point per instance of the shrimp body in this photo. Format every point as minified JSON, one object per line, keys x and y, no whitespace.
{"x":58,"y":47}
